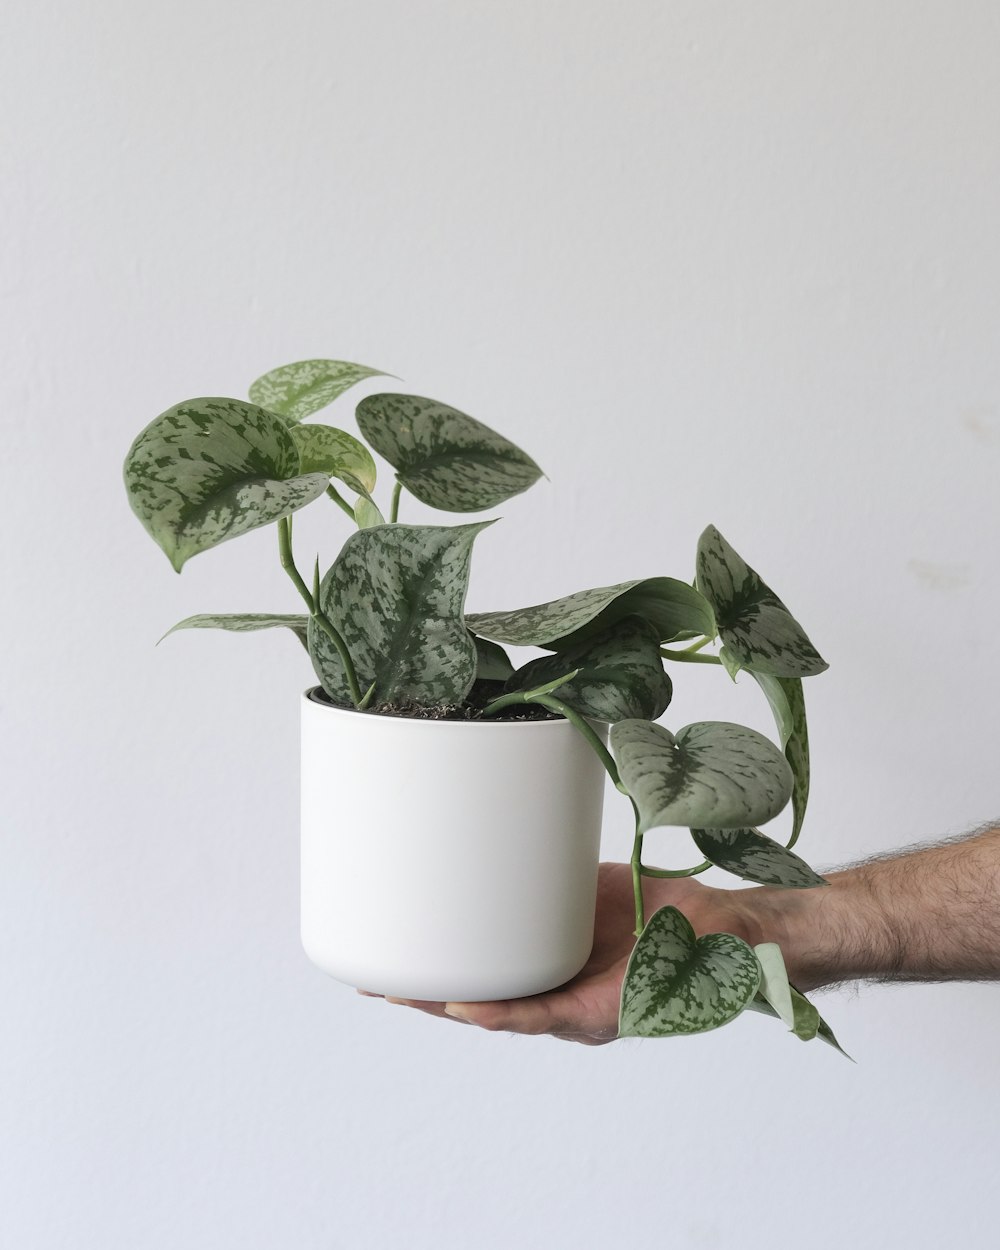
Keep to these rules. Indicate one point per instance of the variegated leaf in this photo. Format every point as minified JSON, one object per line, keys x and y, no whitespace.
{"x":244,"y":622}
{"x":777,"y":997}
{"x":619,"y":673}
{"x":752,"y":855}
{"x":712,"y":774}
{"x":673,"y":608}
{"x":492,"y":662}
{"x":396,"y":594}
{"x":297,"y":390}
{"x":678,"y":984}
{"x":757,"y":629}
{"x":444,"y":458}
{"x":788,"y":703}
{"x":209,"y":470}
{"x":324,"y":449}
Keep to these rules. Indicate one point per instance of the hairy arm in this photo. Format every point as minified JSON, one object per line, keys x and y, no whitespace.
{"x":925,"y":914}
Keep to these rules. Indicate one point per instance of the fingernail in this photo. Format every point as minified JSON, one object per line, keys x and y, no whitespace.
{"x":457,"y":1011}
{"x":400,"y":1002}
{"x":368,"y":994}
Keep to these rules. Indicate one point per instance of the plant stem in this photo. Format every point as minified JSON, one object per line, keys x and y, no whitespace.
{"x":689,"y":657}
{"x":637,"y":869}
{"x":320,"y":617}
{"x":339,"y":500}
{"x":580,"y":723}
{"x":394,"y":504}
{"x":676,"y":872}
{"x":696,"y":646}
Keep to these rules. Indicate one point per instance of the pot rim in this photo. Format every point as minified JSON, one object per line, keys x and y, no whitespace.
{"x":307,"y":697}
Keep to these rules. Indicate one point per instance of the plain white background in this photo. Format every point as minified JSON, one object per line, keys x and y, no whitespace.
{"x":730,"y":263}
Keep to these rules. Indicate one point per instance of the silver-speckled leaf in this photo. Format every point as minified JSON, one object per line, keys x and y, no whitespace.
{"x":677,"y":984}
{"x":325,"y":449}
{"x":712,"y":774}
{"x":245,"y":622}
{"x":492,"y":662}
{"x":211,"y":469}
{"x":620,"y":674}
{"x":444,"y":458}
{"x":297,"y":390}
{"x":788,"y":703}
{"x":756,"y":627}
{"x":673,"y":609}
{"x":752,"y":855}
{"x":396,"y":595}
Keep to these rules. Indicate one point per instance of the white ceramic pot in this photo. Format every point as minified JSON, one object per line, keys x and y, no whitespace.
{"x":448,"y":860}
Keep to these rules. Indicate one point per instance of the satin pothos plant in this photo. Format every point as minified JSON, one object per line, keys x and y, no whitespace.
{"x":387,"y":632}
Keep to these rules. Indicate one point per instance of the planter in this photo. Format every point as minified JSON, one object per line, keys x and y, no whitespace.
{"x":448,"y":860}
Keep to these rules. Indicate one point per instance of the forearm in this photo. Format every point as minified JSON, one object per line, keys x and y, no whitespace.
{"x":931,"y":914}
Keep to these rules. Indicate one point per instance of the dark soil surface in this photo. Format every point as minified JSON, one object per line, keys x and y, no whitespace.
{"x":471,"y":710}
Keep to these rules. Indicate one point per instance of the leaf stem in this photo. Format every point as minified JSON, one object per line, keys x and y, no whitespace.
{"x":580,"y":723}
{"x":394,"y":504}
{"x":340,"y":501}
{"x":637,"y":870}
{"x":689,"y":657}
{"x":676,"y":872}
{"x":320,"y":617}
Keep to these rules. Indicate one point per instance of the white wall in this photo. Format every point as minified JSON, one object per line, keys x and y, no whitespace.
{"x":728,"y":262}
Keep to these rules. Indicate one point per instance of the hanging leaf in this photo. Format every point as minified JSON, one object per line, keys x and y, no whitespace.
{"x":395,"y":593}
{"x":324,"y":449}
{"x":712,"y":774}
{"x":755,"y":626}
{"x":209,"y":470}
{"x":492,"y":662}
{"x":444,"y":458}
{"x":678,"y":984}
{"x":367,"y":514}
{"x":788,"y":703}
{"x":300,"y":389}
{"x":619,"y":673}
{"x":673,"y":608}
{"x":777,"y":997}
{"x":243,"y":623}
{"x":752,"y":855}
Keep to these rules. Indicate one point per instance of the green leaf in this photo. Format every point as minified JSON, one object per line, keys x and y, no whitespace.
{"x":444,"y":458}
{"x":678,"y":984}
{"x":492,"y":662}
{"x":243,"y":623}
{"x":396,"y":594}
{"x":297,"y":390}
{"x":730,"y":663}
{"x":673,"y":609}
{"x":779,"y":998}
{"x":367,"y":514}
{"x":619,"y":673}
{"x":209,"y":470}
{"x":753,"y":856}
{"x":755,"y":626}
{"x":324,"y":449}
{"x":712,"y":774}
{"x":788,"y":703}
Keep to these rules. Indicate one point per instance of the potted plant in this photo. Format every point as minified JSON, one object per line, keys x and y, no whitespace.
{"x":451,"y":799}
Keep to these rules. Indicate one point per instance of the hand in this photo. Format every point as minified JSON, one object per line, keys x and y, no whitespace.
{"x":586,"y":1009}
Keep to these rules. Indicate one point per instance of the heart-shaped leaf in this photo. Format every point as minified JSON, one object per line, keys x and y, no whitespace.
{"x":753,"y":856}
{"x":492,"y":662}
{"x":678,"y":984}
{"x":788,"y":703}
{"x":367,"y":514}
{"x":209,"y":470}
{"x":300,"y":389}
{"x":396,"y":594}
{"x":757,"y":629}
{"x":244,"y":622}
{"x":444,"y":458}
{"x":619,"y":673}
{"x":673,"y":609}
{"x":324,"y":449}
{"x":712,"y":774}
{"x":779,"y":998}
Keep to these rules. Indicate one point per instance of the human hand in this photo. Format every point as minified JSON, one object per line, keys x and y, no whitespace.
{"x":585,"y":1009}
